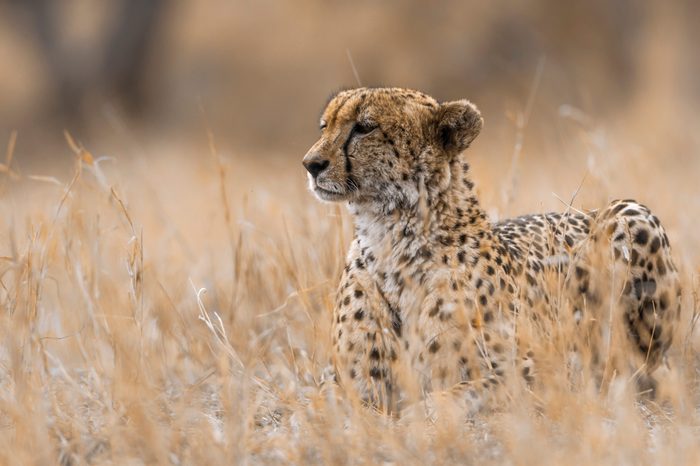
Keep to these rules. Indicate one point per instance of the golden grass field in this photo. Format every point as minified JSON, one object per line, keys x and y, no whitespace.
{"x":166,"y":286}
{"x":172,"y":306}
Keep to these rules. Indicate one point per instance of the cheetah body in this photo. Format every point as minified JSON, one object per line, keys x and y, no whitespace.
{"x":433,"y":291}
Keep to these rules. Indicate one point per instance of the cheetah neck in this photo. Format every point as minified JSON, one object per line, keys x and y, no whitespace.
{"x":410,"y":243}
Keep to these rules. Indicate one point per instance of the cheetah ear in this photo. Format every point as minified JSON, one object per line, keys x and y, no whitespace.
{"x":458,"y":123}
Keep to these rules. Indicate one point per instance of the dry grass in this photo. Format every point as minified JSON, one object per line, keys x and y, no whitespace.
{"x":170,"y":310}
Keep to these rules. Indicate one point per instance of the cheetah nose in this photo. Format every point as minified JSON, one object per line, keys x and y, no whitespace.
{"x":315,"y":164}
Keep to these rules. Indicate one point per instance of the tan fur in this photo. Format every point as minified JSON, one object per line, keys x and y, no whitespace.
{"x":432,"y":289}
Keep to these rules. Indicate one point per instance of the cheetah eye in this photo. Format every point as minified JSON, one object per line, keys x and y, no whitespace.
{"x":364,"y":128}
{"x":322,"y":125}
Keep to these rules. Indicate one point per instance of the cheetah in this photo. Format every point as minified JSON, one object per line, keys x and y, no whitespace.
{"x":432,"y":289}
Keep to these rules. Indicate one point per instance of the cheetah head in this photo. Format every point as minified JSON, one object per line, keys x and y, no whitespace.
{"x":384,"y":145}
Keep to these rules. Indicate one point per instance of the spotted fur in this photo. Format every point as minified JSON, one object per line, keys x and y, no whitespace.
{"x":432,"y":289}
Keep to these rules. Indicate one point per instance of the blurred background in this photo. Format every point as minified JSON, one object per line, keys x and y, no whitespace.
{"x":599,"y":98}
{"x":263,"y":69}
{"x":194,"y":117}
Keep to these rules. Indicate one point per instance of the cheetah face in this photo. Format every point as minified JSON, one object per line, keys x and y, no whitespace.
{"x":382,"y":145}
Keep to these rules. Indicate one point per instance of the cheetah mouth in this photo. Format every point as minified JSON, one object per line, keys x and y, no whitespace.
{"x":328,"y":195}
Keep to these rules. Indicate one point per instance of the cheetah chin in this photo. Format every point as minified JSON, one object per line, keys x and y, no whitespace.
{"x":328,"y":194}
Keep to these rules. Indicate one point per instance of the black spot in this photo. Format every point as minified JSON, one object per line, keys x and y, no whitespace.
{"x":530,"y":280}
{"x":635,"y":257}
{"x":358,"y":293}
{"x":359,"y":315}
{"x":647,"y":307}
{"x":660,"y":267}
{"x":434,"y":346}
{"x":375,"y":373}
{"x":346,"y":301}
{"x":433,"y":312}
{"x":655,"y":245}
{"x":396,"y":323}
{"x":641,"y":237}
{"x":374,"y":354}
{"x":461,"y":256}
{"x":638,"y":288}
{"x":483,"y":300}
{"x":618,"y":208}
{"x":446,"y":240}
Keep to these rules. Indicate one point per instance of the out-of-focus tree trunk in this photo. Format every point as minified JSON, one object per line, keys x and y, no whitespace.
{"x":120,"y":64}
